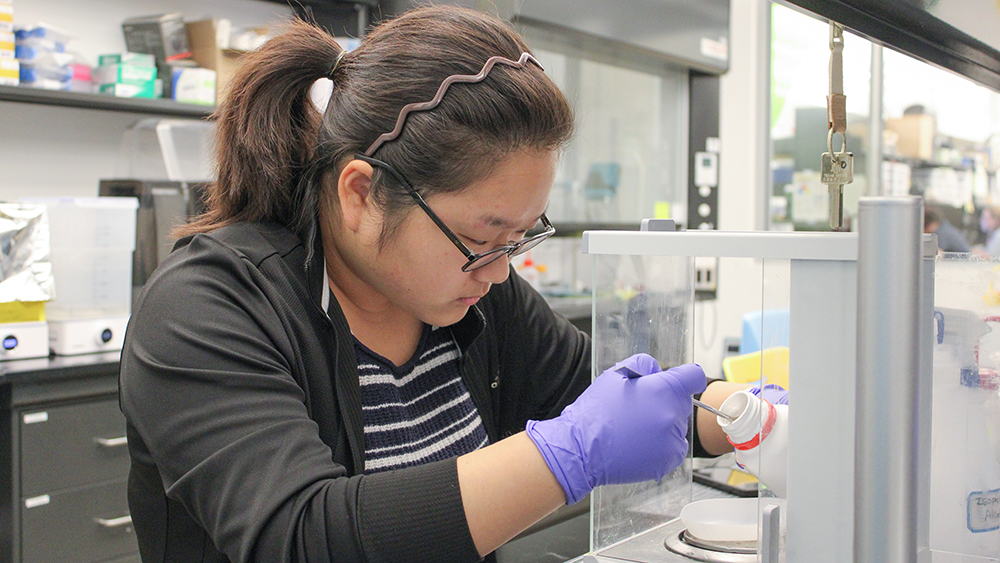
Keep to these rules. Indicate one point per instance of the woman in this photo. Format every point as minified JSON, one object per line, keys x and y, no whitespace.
{"x":989,"y":224}
{"x":336,"y":364}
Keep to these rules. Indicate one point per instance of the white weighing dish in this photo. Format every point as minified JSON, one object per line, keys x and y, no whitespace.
{"x":722,"y":519}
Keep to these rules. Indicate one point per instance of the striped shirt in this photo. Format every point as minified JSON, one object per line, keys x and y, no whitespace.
{"x":418,"y":412}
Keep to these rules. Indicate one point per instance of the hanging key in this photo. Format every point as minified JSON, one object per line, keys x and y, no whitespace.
{"x":836,"y":170}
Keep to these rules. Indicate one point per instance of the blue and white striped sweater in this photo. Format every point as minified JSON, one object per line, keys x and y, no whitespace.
{"x":419,"y":412}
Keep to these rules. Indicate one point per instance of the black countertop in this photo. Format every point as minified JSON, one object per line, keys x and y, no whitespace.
{"x":59,"y":367}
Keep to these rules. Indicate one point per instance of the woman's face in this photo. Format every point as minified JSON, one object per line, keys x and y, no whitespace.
{"x":420,"y":269}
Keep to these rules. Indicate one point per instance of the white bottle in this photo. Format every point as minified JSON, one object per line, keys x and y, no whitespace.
{"x":531,"y":272}
{"x":759,"y":435}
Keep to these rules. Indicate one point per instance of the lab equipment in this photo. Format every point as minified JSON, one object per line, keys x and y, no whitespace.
{"x":26,"y":280}
{"x":815,"y":276}
{"x":92,"y":243}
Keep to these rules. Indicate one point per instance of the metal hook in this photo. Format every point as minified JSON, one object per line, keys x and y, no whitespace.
{"x":836,"y":35}
{"x":829,"y":145}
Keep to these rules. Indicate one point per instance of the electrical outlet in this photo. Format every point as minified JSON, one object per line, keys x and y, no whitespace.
{"x":706,"y":273}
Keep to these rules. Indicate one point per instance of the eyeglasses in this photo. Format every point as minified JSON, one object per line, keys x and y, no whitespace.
{"x":475,"y":261}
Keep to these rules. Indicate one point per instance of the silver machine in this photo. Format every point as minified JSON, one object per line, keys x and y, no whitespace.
{"x":883,"y":463}
{"x":893,"y":447}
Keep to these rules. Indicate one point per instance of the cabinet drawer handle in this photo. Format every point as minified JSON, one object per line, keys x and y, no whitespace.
{"x":114,"y":522}
{"x":112,"y":442}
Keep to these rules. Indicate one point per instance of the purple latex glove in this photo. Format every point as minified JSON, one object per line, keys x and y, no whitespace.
{"x":620,"y":429}
{"x":772,"y":393}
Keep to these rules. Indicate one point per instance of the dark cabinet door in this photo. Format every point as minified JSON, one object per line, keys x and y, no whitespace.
{"x":81,"y":525}
{"x":72,"y":445}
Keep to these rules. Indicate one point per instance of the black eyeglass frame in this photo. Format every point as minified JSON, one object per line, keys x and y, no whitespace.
{"x":475,"y":261}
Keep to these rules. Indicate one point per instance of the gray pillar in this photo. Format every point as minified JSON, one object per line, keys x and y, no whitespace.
{"x":885,"y":469}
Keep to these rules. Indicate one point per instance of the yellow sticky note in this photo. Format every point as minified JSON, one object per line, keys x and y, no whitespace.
{"x":661,"y":210}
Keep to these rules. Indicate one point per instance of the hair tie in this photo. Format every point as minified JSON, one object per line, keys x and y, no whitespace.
{"x":336,"y":63}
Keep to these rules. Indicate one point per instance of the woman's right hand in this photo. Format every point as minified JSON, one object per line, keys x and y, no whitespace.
{"x":621,"y":429}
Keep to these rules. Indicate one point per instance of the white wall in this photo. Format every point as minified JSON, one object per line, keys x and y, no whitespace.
{"x":58,"y":151}
{"x":740,"y":131}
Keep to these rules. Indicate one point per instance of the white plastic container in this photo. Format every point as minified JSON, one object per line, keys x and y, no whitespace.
{"x":965,"y":467}
{"x":91,"y":283}
{"x":759,"y":435}
{"x":722,"y":519}
{"x":167,"y":149}
{"x":92,"y":243}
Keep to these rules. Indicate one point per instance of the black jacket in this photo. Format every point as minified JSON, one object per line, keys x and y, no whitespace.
{"x":244,"y":414}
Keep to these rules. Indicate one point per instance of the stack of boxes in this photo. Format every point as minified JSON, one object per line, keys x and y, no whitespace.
{"x":126,"y":75}
{"x":44,"y":62}
{"x":157,"y":63}
{"x":165,"y":37}
{"x":9,"y":69}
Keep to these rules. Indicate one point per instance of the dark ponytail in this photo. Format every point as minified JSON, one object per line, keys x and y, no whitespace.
{"x":266,"y":129}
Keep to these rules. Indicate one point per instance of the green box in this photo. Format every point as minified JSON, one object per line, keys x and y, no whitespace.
{"x":144,"y":90}
{"x":134,"y":59}
{"x":124,"y":74}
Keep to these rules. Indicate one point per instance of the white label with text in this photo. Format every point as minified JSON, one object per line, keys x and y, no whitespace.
{"x":984,"y":511}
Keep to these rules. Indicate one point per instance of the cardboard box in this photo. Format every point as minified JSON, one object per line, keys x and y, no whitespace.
{"x":207,"y":53}
{"x":916,"y":135}
{"x":164,"y":36}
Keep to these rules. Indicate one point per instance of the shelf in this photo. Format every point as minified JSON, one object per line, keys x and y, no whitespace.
{"x":921,"y":163}
{"x":102,"y":102}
